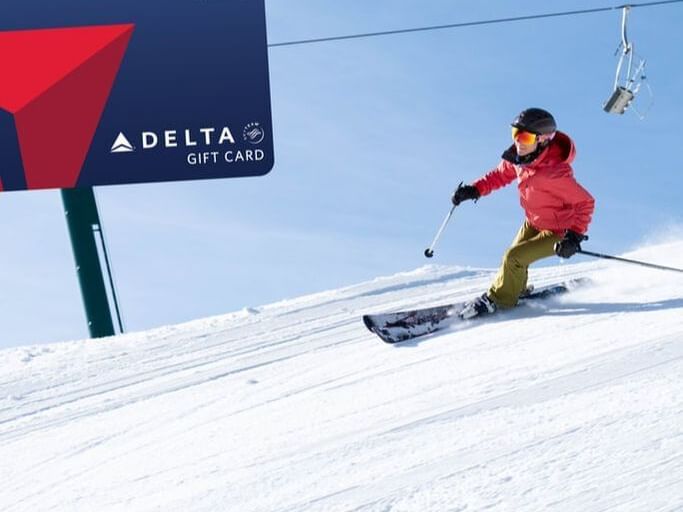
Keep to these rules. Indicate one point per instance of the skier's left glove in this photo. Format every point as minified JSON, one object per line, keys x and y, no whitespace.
{"x":570,"y":244}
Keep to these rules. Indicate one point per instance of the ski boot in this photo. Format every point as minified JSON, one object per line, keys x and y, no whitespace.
{"x":480,"y":306}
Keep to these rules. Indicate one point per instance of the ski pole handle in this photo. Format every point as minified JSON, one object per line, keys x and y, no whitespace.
{"x":634,"y":262}
{"x":429,"y":252}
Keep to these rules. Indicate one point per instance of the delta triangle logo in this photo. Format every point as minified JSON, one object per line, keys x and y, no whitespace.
{"x":122,"y":145}
{"x":54,"y":89}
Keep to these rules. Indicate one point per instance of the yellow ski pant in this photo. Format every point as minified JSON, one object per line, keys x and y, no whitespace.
{"x":530,"y":245}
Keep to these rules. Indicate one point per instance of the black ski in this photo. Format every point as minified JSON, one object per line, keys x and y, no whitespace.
{"x":406,"y":325}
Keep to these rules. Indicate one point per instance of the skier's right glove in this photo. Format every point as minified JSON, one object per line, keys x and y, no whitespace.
{"x":570,"y":244}
{"x":464,"y":193}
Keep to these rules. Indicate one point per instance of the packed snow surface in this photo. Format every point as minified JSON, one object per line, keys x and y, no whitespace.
{"x":570,"y":404}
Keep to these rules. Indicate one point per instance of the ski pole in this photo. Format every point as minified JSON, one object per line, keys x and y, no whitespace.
{"x":429,"y":252}
{"x":635,"y":262}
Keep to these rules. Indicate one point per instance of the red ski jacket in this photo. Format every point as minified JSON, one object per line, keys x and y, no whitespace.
{"x":548,"y":192}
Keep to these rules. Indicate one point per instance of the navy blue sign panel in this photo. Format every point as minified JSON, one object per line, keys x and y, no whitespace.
{"x":132,"y":91}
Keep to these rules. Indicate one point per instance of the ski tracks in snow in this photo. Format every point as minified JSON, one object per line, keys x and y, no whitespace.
{"x":572,"y":405}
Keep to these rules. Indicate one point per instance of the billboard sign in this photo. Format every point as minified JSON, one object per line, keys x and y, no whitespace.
{"x":130,"y":91}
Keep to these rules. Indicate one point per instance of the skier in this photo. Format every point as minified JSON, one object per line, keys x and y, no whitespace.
{"x":558,"y":209}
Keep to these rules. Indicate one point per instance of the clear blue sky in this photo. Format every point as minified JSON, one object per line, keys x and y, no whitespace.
{"x":371,"y":136}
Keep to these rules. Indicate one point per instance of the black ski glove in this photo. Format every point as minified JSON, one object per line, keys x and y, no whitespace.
{"x":464,"y":193}
{"x":570,"y":244}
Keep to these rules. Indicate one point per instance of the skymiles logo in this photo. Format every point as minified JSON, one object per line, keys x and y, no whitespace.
{"x":122,"y":145}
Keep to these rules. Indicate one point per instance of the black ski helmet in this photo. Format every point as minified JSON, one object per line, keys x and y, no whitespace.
{"x":535,"y":120}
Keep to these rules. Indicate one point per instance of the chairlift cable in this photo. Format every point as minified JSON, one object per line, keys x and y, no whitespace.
{"x":472,"y":23}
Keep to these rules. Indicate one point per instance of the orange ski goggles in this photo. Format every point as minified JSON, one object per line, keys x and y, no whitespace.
{"x":524,"y":137}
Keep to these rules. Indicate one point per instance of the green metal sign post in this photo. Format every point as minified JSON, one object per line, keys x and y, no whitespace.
{"x":83,"y":221}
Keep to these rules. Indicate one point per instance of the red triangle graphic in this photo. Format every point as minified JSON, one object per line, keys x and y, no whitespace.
{"x":60,"y":82}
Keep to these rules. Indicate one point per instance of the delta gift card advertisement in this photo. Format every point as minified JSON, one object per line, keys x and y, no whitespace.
{"x":104,"y":93}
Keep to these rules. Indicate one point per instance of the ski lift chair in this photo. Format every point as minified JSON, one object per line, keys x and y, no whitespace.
{"x":628,"y":80}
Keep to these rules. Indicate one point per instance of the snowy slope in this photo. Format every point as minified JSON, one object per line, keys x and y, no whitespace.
{"x":574,"y":404}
